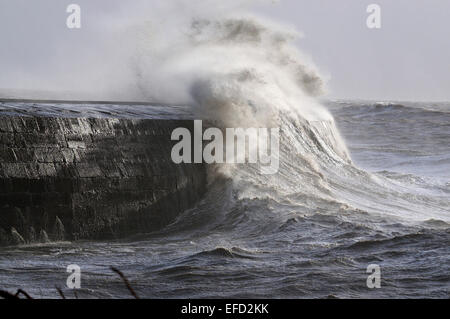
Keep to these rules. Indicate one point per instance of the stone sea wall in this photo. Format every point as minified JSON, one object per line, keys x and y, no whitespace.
{"x":81,"y":178}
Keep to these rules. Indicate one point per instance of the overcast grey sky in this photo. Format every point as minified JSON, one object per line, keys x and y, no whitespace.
{"x":407,"y":59}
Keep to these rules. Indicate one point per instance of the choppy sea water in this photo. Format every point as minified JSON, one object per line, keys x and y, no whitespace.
{"x":308,"y":232}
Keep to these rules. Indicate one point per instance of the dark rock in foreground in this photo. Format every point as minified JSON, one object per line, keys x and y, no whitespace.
{"x":80,"y":178}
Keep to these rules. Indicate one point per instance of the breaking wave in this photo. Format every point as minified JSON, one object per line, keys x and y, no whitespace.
{"x":309,"y":230}
{"x":244,"y":71}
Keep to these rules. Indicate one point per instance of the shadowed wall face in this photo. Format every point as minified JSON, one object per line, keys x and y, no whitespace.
{"x":82,"y":178}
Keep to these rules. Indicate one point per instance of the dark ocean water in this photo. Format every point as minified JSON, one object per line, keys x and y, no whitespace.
{"x":310,"y":231}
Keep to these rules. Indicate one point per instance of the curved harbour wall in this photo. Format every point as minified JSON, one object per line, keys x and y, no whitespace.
{"x":82,"y":178}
